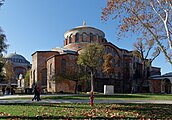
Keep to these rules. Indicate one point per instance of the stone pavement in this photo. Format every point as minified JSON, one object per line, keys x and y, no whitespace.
{"x":2,"y":101}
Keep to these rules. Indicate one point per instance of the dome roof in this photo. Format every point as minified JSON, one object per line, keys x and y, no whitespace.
{"x":16,"y":58}
{"x":84,"y":29}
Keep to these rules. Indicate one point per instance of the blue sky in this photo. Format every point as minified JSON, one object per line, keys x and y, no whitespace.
{"x":35,"y":25}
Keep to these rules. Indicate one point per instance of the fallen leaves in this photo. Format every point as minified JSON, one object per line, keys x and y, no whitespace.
{"x":98,"y":111}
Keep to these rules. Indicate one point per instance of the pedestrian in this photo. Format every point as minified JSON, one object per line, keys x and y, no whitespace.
{"x":35,"y":93}
{"x":7,"y":91}
{"x":39,"y":92}
{"x":3,"y":90}
{"x":12,"y":91}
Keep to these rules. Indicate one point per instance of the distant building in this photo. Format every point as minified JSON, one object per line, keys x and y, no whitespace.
{"x":20,"y":66}
{"x":127,"y":68}
{"x":161,"y":83}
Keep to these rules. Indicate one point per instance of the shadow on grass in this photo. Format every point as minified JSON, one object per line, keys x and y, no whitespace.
{"x":66,"y":97}
{"x":149,"y":110}
{"x":122,"y":96}
{"x":86,"y":97}
{"x":60,"y":105}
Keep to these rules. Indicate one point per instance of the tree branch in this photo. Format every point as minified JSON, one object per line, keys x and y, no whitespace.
{"x":161,"y":5}
{"x":158,"y":52}
{"x":156,"y":38}
{"x":164,"y":21}
{"x":153,"y":7}
{"x":148,"y":52}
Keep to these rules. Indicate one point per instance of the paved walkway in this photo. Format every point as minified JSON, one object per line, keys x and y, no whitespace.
{"x":2,"y":101}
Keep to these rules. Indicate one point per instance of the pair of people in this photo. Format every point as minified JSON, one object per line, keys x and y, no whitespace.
{"x":37,"y":91}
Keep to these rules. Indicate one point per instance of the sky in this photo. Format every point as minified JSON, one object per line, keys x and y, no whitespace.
{"x":39,"y":25}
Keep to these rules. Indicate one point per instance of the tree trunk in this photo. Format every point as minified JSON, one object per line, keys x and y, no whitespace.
{"x":143,"y":77}
{"x":92,"y":90}
{"x":92,"y":86}
{"x":76,"y":87}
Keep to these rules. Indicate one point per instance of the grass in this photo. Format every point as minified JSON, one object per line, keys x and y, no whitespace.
{"x":107,"y":97}
{"x":116,"y":97}
{"x":80,"y":110}
{"x":84,"y":111}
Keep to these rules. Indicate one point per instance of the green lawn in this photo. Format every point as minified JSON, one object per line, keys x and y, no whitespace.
{"x":117,"y":97}
{"x":109,"y":97}
{"x":79,"y":110}
{"x":83,"y":110}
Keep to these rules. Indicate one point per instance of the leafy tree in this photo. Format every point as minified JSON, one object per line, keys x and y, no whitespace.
{"x":146,"y":18}
{"x":1,"y":69}
{"x":108,"y":65}
{"x":9,"y":72}
{"x":3,"y":47}
{"x":27,"y":79}
{"x":90,"y":58}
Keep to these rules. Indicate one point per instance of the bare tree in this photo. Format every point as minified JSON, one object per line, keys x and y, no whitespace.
{"x":152,"y":18}
{"x":1,"y":2}
{"x":142,"y":50}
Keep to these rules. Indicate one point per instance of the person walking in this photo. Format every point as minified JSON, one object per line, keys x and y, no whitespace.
{"x":38,"y":92}
{"x":3,"y":91}
{"x":35,"y":93}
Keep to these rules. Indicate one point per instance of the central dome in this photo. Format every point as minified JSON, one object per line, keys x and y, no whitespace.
{"x":79,"y":36}
{"x":84,"y":29}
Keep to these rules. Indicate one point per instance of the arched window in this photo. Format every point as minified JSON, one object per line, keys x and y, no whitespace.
{"x":63,"y":66}
{"x":91,"y":37}
{"x":31,"y":74}
{"x":44,"y":76}
{"x":108,"y":50}
{"x":66,"y":41}
{"x":33,"y":77}
{"x":113,"y":62}
{"x":77,"y":37}
{"x":84,"y":37}
{"x":113,"y":53}
{"x":119,"y":63}
{"x":51,"y":69}
{"x":70,"y":38}
{"x":49,"y":84}
{"x":97,"y":37}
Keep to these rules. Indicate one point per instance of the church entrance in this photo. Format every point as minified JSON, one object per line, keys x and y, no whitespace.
{"x":166,"y":86}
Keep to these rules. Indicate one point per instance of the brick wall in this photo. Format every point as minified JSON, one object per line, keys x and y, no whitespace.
{"x":39,"y":59}
{"x":60,"y":84}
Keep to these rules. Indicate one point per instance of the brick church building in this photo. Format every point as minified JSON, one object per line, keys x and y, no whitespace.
{"x":127,"y":68}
